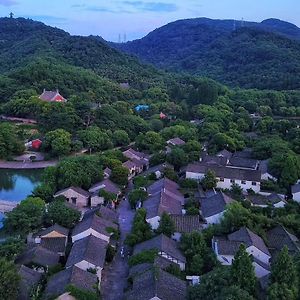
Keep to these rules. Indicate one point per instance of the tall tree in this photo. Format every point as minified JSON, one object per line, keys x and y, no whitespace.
{"x":9,"y":280}
{"x":166,"y":225}
{"x":284,"y":276}
{"x":242,"y":271}
{"x":209,"y":181}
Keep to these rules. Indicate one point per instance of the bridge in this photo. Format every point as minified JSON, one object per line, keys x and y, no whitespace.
{"x":7,"y":206}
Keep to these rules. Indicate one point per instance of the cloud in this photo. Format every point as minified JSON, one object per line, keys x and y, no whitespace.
{"x":152,"y":6}
{"x":8,"y":2}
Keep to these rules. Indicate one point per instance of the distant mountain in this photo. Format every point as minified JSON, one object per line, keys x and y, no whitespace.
{"x":22,"y":41}
{"x":262,"y":55}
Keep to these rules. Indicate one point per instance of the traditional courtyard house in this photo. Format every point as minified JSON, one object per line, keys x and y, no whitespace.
{"x":106,"y":185}
{"x":213,"y":207}
{"x":247,"y":179}
{"x":296,"y":192}
{"x":29,"y":280}
{"x":134,"y":167}
{"x":75,"y":195}
{"x":96,"y":226}
{"x":54,"y":238}
{"x":166,"y":248}
{"x":137,"y":156}
{"x":52,"y":96}
{"x":279,"y":237}
{"x":163,"y":197}
{"x":58,"y":283}
{"x":88,"y":254}
{"x":154,"y":283}
{"x":226,"y":247}
{"x":185,"y":224}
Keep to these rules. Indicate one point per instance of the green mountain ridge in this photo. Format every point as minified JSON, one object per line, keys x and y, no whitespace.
{"x":246,"y":54}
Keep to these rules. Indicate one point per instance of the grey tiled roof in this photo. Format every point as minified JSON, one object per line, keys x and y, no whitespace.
{"x":58,"y":283}
{"x":215,"y":204}
{"x":158,"y":284}
{"x":249,"y":238}
{"x":224,"y":153}
{"x":55,"y":227}
{"x":103,"y":212}
{"x":29,"y":278}
{"x":225,"y":171}
{"x":90,"y":249}
{"x":186,"y":223}
{"x":97,"y":223}
{"x":107,"y":185}
{"x":225,"y":247}
{"x":161,"y":243}
{"x":176,"y":141}
{"x":57,"y":245}
{"x":74,"y":188}
{"x":279,"y":237}
{"x":40,"y":256}
{"x":243,"y":162}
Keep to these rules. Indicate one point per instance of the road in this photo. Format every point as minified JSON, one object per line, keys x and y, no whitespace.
{"x":114,"y":279}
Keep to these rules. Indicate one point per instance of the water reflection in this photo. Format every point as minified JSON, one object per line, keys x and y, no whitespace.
{"x":16,"y":185}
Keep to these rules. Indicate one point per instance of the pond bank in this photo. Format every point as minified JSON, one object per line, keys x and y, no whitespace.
{"x":16,"y":165}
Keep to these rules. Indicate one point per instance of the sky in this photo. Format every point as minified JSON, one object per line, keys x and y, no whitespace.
{"x":132,"y":19}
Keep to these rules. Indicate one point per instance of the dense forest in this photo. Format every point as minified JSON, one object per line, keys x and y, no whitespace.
{"x":251,"y":55}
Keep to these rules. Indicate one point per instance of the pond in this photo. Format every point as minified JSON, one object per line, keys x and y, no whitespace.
{"x":16,"y":185}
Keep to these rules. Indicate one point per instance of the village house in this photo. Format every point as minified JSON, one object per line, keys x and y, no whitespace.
{"x":107,"y":173}
{"x":103,"y":212}
{"x":58,"y":283}
{"x":134,"y":167}
{"x":96,"y":226}
{"x":163,"y":197}
{"x":279,"y":237}
{"x":226,"y":247}
{"x":75,"y":196}
{"x":166,"y":248}
{"x":247,"y":179}
{"x":137,"y":156}
{"x":296,"y":192}
{"x":29,"y":279}
{"x":272,"y":200}
{"x":88,"y":254}
{"x":155,"y":283}
{"x":106,"y":185}
{"x":38,"y":257}
{"x":52,"y":96}
{"x":176,"y":142}
{"x":185,"y":224}
{"x":54,"y":238}
{"x":213,"y":207}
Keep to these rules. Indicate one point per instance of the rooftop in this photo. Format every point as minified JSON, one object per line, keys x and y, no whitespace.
{"x":107,"y":185}
{"x":176,"y":141}
{"x":161,"y":243}
{"x":90,"y":249}
{"x":186,"y":223}
{"x":75,"y":189}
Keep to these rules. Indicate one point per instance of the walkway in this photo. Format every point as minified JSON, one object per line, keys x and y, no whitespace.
{"x":26,"y":165}
{"x":114,"y":279}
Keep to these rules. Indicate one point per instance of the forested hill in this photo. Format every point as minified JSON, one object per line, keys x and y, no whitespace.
{"x":251,"y":55}
{"x":23,"y":42}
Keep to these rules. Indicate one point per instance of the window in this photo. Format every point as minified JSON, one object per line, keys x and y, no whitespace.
{"x":243,"y":182}
{"x":73,"y":200}
{"x":222,"y":179}
{"x":253,"y":183}
{"x":232,"y":181}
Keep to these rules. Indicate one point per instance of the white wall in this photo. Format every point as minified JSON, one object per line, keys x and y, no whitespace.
{"x":215,"y":219}
{"x":258,"y":254}
{"x":259,"y":270}
{"x":176,"y":236}
{"x":296,"y":197}
{"x":154,"y":222}
{"x":88,"y":232}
